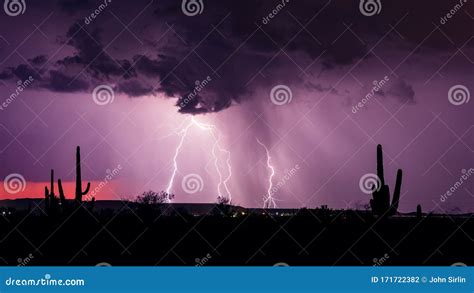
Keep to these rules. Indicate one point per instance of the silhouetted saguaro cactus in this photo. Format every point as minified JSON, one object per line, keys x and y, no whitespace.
{"x":79,"y":192}
{"x":380,"y":203}
{"x":62,"y":197}
{"x":51,"y":184}
{"x":46,"y":199}
{"x":51,"y":202}
{"x":92,"y":204}
{"x":419,"y":212}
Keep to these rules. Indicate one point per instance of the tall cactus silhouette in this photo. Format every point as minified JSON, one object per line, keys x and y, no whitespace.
{"x":419,"y":212}
{"x":47,"y":204}
{"x":79,"y":192}
{"x":380,"y":203}
{"x":62,"y":197}
{"x":51,"y":201}
{"x":51,"y":184}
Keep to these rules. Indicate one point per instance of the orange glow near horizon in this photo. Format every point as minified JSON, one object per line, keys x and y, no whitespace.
{"x":98,"y":189}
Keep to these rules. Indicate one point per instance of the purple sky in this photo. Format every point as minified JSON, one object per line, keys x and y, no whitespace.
{"x":326,"y":52}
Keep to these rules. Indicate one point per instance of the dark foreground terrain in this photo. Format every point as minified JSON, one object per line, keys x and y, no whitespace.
{"x":225,"y":235}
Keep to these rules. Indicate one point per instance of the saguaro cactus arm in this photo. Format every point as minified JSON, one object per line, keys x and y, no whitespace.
{"x":79,"y":192}
{"x":87,"y":188}
{"x":62,"y":197}
{"x":396,"y":192}
{"x":46,"y":199}
{"x":380,"y":165}
{"x":380,"y":203}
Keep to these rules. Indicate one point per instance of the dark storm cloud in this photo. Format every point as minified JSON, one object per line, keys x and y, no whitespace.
{"x":134,"y":88}
{"x":5,"y":75}
{"x":59,"y":82}
{"x":38,"y":60}
{"x":310,"y":86}
{"x":402,"y":91}
{"x":232,"y":43}
{"x":91,"y":55}
{"x":72,"y":6}
{"x":20,"y":72}
{"x":147,"y":66}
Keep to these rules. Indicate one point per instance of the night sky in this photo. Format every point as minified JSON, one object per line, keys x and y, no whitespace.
{"x":317,"y":83}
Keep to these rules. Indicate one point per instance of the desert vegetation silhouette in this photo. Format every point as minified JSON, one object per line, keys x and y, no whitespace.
{"x":80,"y":230}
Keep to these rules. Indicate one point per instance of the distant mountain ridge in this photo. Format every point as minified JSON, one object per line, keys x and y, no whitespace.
{"x":22,"y":204}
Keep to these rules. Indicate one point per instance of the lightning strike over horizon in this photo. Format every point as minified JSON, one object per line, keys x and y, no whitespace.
{"x":215,"y":149}
{"x":183,"y":133}
{"x":269,"y":201}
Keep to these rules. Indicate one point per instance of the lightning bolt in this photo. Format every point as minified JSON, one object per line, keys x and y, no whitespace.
{"x":183,"y":133}
{"x":216,"y":149}
{"x":268,"y":200}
